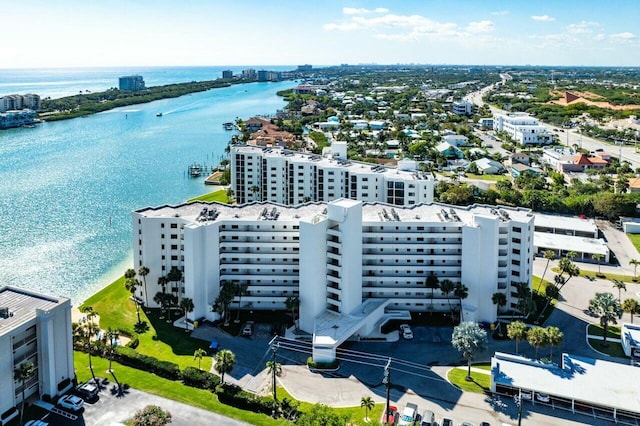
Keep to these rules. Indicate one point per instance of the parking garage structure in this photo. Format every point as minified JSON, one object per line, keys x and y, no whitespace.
{"x":601,"y":389}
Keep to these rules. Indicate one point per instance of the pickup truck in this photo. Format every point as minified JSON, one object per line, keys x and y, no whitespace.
{"x":409,"y":414}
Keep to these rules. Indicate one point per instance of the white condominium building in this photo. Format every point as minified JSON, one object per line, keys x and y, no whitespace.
{"x":33,"y":328}
{"x":290,"y":178}
{"x":351,"y":264}
{"x":522,"y":128}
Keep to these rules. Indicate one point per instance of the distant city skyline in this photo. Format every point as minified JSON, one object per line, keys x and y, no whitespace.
{"x":72,"y":33}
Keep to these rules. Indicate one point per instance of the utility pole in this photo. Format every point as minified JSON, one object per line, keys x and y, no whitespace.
{"x":274,"y":348}
{"x":387,"y":382}
{"x":518,"y":401}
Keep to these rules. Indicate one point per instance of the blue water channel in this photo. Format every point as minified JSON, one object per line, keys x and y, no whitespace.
{"x":67,"y":188}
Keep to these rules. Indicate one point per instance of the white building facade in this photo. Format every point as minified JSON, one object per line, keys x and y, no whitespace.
{"x":522,"y":128}
{"x":290,"y":178}
{"x":33,"y":328}
{"x":351,"y":261}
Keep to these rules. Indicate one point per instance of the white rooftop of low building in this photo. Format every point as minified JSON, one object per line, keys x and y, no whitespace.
{"x":21,"y":306}
{"x":566,"y":222}
{"x":353,"y":167}
{"x":332,"y":328}
{"x":632,"y":334}
{"x":570,"y":243}
{"x":595,"y":381}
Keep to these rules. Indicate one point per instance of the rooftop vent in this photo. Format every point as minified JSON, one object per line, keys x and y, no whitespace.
{"x":4,"y":313}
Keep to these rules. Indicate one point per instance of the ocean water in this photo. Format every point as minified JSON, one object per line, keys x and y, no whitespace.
{"x":60,"y":82}
{"x":67,"y":188}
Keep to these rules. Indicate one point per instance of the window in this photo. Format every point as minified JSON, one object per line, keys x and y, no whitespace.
{"x":174,"y":236}
{"x":174,"y":226}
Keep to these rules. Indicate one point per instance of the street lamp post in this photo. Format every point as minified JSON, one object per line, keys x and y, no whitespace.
{"x":386,"y":380}
{"x":518,"y":400}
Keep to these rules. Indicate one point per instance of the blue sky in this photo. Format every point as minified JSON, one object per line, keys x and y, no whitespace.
{"x":70,"y":33}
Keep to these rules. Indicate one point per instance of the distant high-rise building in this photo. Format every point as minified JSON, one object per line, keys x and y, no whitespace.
{"x":263,"y":75}
{"x":131,"y":82}
{"x":227,"y":74}
{"x":248,"y":74}
{"x":31,"y":101}
{"x":305,"y":67}
{"x":274,"y":76}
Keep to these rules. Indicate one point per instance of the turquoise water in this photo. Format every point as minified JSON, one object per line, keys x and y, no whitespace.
{"x":67,"y":188}
{"x":59,"y":82}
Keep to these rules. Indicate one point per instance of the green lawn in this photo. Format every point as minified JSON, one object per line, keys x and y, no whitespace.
{"x":597,"y":330}
{"x":161,"y":340}
{"x":220,"y":196}
{"x":490,"y":178}
{"x":537,"y":283}
{"x":174,"y":390}
{"x":635,"y":239}
{"x":613,"y":348}
{"x":603,"y":276}
{"x":480,"y":384}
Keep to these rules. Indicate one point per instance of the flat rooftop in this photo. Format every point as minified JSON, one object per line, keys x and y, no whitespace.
{"x":22,"y":305}
{"x":594,"y":381}
{"x":353,"y":167}
{"x":566,"y":222}
{"x":371,"y":212}
{"x":570,"y":243}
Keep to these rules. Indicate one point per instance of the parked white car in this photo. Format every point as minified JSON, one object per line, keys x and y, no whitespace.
{"x":542,"y":397}
{"x":406,"y":331}
{"x":71,"y":402}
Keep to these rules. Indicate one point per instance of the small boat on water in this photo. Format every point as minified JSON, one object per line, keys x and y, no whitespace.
{"x":228,"y":126}
{"x":159,"y":114}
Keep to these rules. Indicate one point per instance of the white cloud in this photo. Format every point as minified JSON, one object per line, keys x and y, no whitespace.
{"x":346,"y":26}
{"x":363,"y":11}
{"x":500,"y":13}
{"x":584,"y":27}
{"x":480,"y":27}
{"x":623,"y":37}
{"x":599,"y":37}
{"x":543,"y":18}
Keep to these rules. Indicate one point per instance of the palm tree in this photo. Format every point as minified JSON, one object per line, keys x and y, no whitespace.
{"x":198,"y":354}
{"x":112,"y":335}
{"x":367,"y":403}
{"x":432,"y":282}
{"x":186,"y":304}
{"x":568,"y":268}
{"x":226,"y":295}
{"x":620,"y":285}
{"x":446,"y":287}
{"x":90,"y":329}
{"x":274,"y":369}
{"x":143,"y":271}
{"x":24,"y":372}
{"x":598,"y":258}
{"x":130,"y":273}
{"x":469,"y":339}
{"x":292,"y":303}
{"x":499,"y":299}
{"x":131,"y":284}
{"x":631,"y":306}
{"x":555,"y":337}
{"x":635,"y":263}
{"x":609,"y":309}
{"x":224,"y":362}
{"x":241,"y":289}
{"x":526,"y":304}
{"x":461,"y":291}
{"x":549,"y":255}
{"x":517,"y":331}
{"x":175,"y":275}
{"x":537,"y":337}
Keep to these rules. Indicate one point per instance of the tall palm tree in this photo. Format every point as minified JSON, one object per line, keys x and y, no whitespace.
{"x":89,"y":330}
{"x":24,"y":372}
{"x":432,"y":282}
{"x":367,"y":403}
{"x":537,"y":337}
{"x":500,"y":300}
{"x":175,"y":275}
{"x":620,"y":285}
{"x":112,"y":336}
{"x":129,"y":273}
{"x":132,"y":284}
{"x":549,"y":255}
{"x":226,"y":295}
{"x":568,"y":270}
{"x":631,"y":306}
{"x":598,"y":258}
{"x":241,"y":290}
{"x":609,"y":309}
{"x":446,"y":287}
{"x":186,"y":304}
{"x":224,"y":362}
{"x":143,"y":271}
{"x":199,"y":354}
{"x":292,"y":303}
{"x":517,"y":331}
{"x":461,"y":291}
{"x":555,"y":337}
{"x":469,"y":339}
{"x":635,"y":263}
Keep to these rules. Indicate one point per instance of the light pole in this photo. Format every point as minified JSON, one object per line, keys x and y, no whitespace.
{"x":518,"y":400}
{"x":386,"y":380}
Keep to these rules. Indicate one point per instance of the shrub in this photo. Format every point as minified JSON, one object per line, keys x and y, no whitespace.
{"x":236,"y":397}
{"x":133,"y":343}
{"x":322,"y":365}
{"x":131,"y":358}
{"x":200,"y":379}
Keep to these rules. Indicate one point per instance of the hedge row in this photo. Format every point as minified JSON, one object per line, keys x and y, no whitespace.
{"x":200,"y":379}
{"x":131,"y":358}
{"x":236,"y":397}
